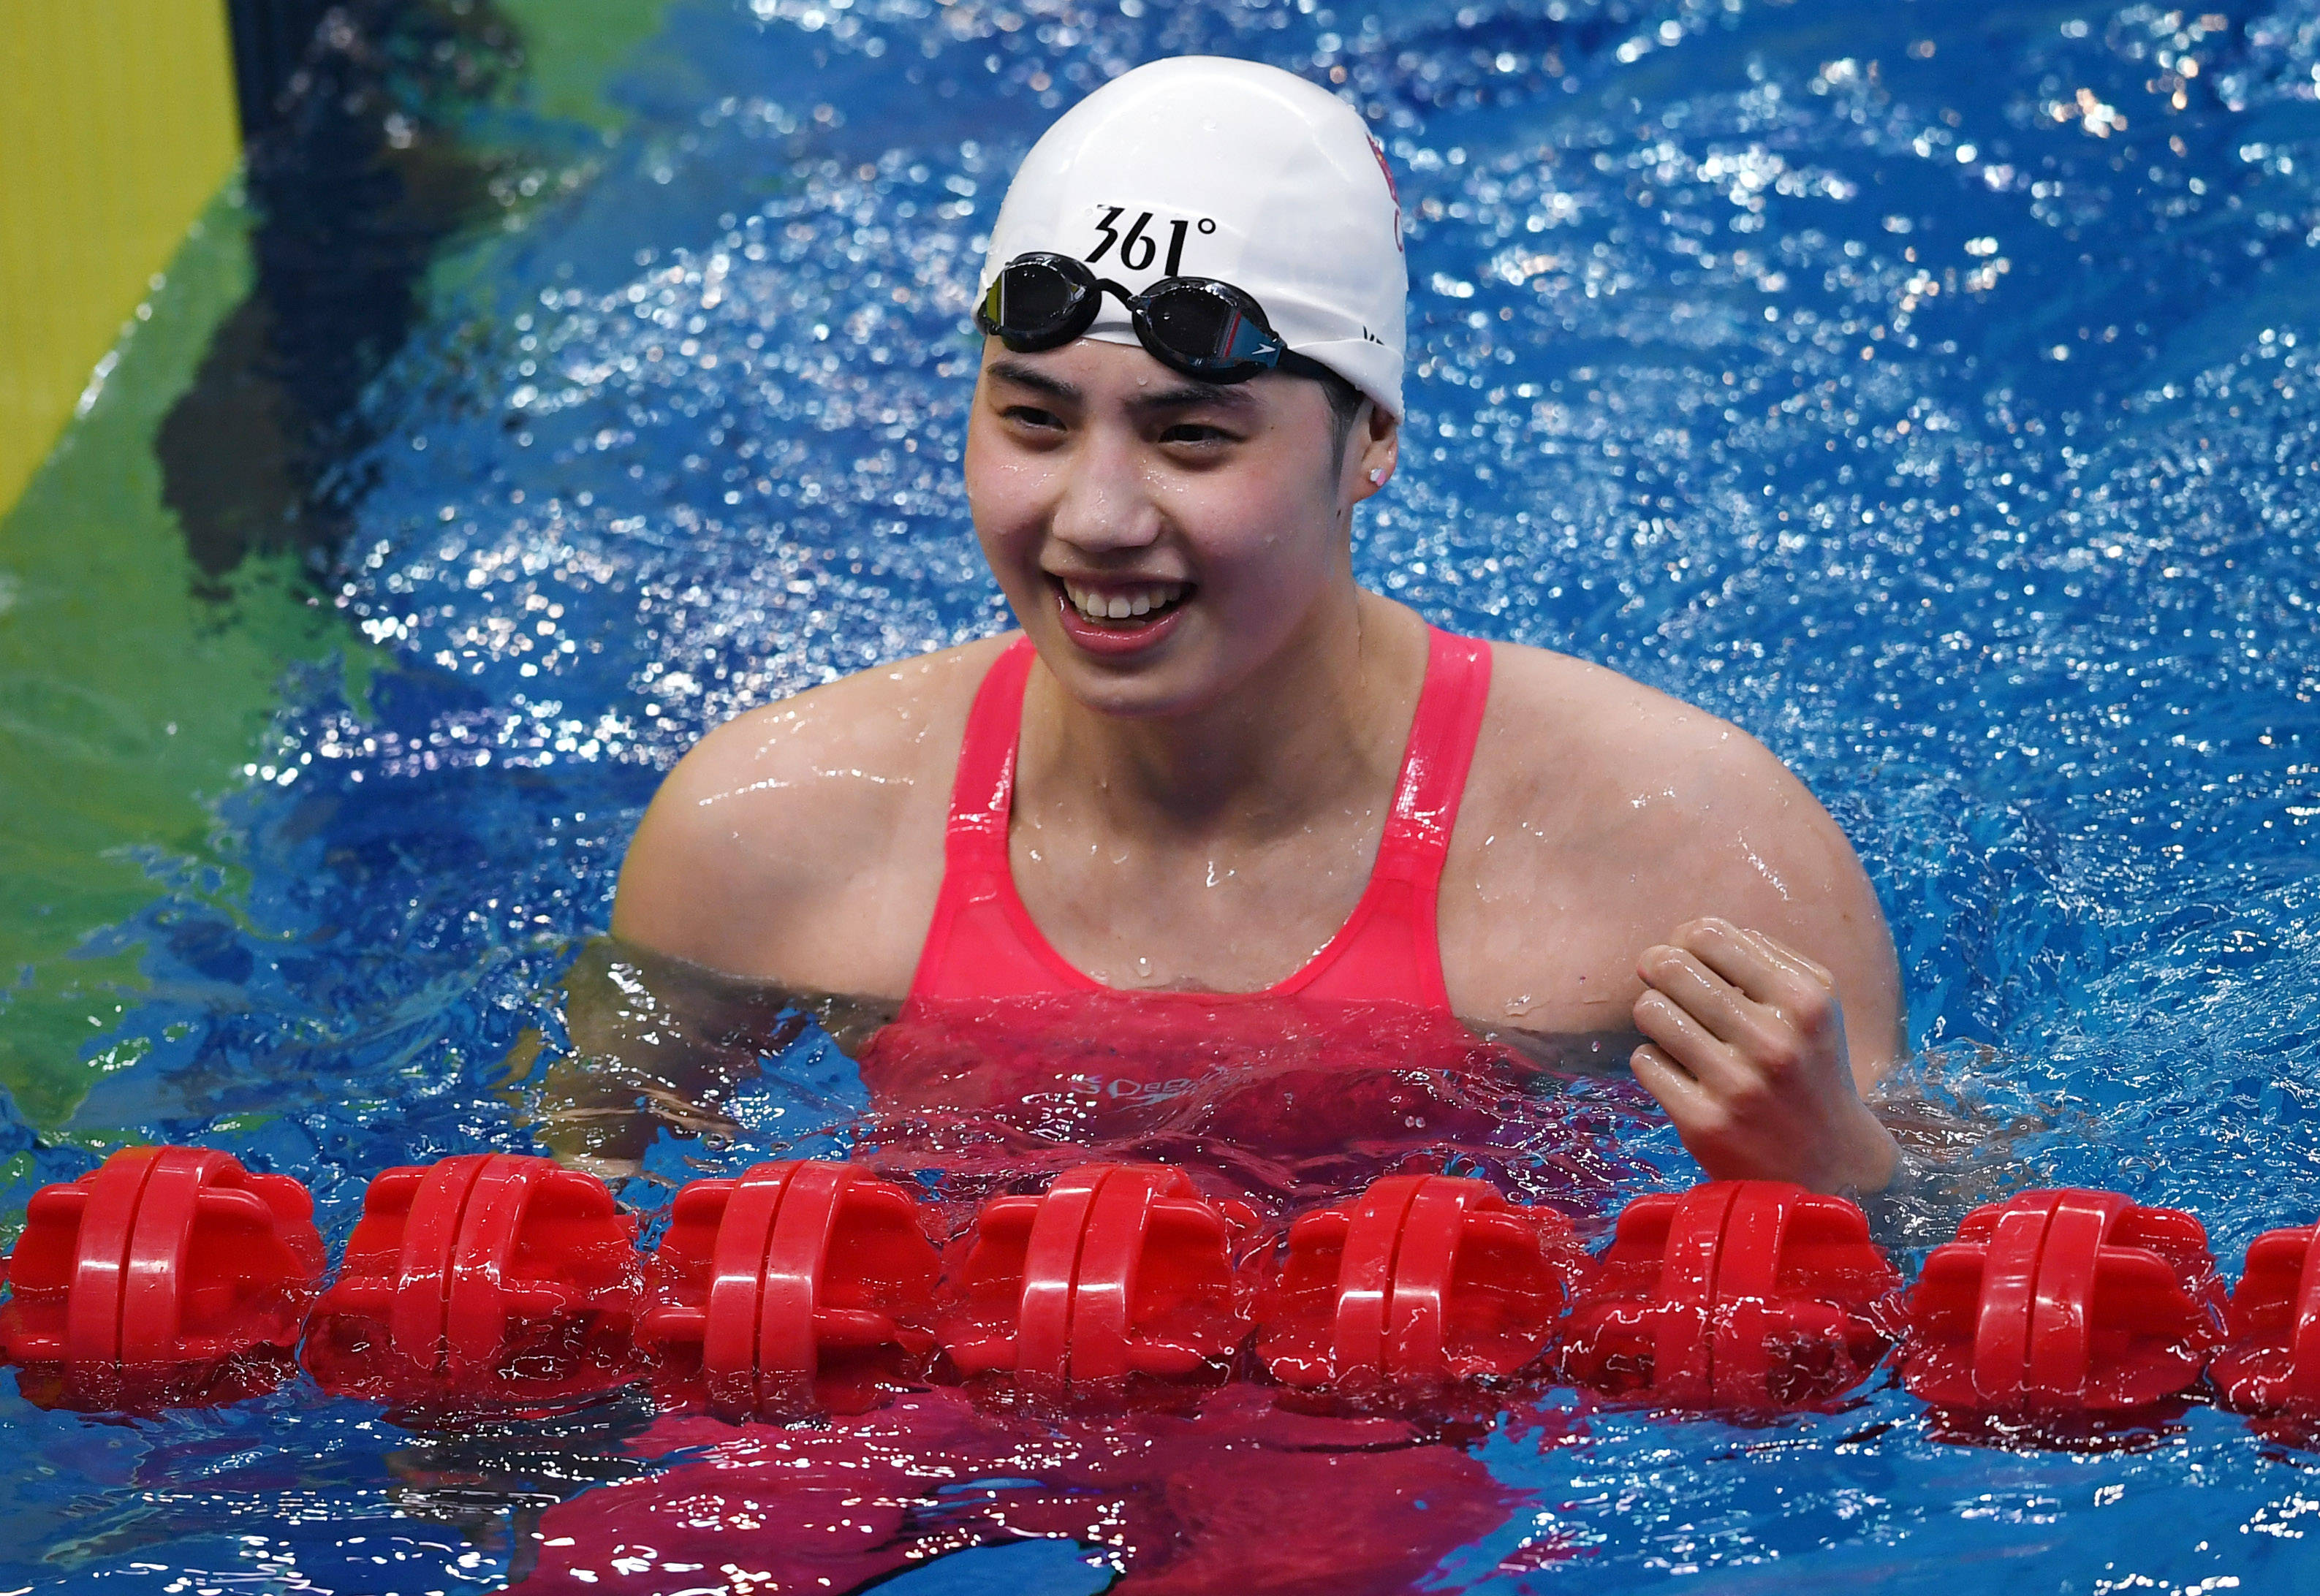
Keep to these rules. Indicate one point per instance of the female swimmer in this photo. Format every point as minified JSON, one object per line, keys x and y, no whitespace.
{"x":1209,"y":753}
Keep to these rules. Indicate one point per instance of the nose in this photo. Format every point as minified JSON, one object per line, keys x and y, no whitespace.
{"x":1104,"y":503}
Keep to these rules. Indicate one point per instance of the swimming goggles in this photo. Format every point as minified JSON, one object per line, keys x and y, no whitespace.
{"x":1195,"y":325}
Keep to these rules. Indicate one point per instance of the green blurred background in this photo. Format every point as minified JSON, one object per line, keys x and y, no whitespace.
{"x":162,"y":521}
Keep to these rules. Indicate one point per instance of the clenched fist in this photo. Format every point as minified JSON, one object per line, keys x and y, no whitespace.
{"x":1748,"y":1055}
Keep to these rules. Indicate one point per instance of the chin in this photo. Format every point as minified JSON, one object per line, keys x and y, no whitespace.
{"x":1184,"y":679}
{"x":1142,"y":693}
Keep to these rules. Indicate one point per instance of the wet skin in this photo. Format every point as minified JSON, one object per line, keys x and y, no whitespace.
{"x":1201,"y":791}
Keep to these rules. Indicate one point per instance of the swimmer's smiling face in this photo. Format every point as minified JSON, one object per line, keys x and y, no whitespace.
{"x":1163,"y":539}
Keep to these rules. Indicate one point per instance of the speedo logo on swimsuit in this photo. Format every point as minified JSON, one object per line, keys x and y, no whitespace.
{"x":1122,"y":1089}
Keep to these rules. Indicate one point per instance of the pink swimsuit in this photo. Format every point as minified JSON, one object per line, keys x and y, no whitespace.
{"x":1006,"y":1060}
{"x":1007,"y":1064}
{"x":982,"y":943}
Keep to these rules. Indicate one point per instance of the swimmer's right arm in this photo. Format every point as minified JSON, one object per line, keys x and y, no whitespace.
{"x":691,"y":887}
{"x":803,"y":842}
{"x":738,"y":903}
{"x":660,"y":1027}
{"x":745,"y":858}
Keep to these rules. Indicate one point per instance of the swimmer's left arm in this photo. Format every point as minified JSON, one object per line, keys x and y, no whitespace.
{"x":1765,"y":1022}
{"x":1748,"y":1055}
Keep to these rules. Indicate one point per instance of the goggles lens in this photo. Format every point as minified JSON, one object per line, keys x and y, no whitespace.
{"x":1211,"y":328}
{"x":1039,"y":302}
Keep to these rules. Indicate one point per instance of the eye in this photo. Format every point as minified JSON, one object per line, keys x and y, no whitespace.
{"x":1032,"y":416}
{"x":1195,"y":433}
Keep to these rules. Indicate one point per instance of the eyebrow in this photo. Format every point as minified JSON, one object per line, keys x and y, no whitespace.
{"x":1028,"y":376}
{"x":1189,"y":392}
{"x":1181,"y":395}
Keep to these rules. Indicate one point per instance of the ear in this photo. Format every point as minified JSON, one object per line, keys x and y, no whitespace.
{"x":1373,"y":451}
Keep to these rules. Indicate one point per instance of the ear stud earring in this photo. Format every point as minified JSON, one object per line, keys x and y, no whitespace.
{"x":1377,"y":474}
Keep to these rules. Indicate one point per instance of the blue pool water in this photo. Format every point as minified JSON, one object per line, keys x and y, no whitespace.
{"x":1927,"y":387}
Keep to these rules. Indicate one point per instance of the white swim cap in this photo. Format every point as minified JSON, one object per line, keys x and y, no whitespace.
{"x":1202,"y":166}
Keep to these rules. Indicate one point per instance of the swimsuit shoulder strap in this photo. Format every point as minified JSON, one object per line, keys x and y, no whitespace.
{"x":982,"y":943}
{"x":984,"y":789}
{"x":1435,"y":762}
{"x":1390,"y":949}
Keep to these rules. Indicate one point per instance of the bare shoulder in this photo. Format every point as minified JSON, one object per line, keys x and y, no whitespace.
{"x":1602,"y":814}
{"x":1627,"y":759}
{"x":770,"y":841}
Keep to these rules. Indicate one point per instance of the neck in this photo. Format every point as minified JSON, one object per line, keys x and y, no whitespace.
{"x":1317,"y":730}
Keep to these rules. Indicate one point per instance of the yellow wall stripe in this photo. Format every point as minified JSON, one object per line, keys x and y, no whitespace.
{"x":117,"y":126}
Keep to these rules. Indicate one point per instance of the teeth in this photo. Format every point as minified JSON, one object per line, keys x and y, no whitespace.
{"x":1123,"y":603}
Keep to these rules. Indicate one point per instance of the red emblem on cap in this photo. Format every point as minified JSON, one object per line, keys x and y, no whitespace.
{"x":1392,"y":189}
